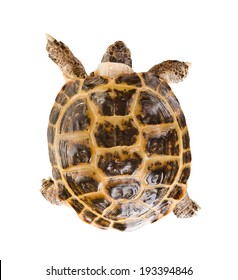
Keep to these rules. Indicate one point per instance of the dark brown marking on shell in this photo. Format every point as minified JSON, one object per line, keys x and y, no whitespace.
{"x":102,"y":223}
{"x":129,"y":79}
{"x":92,"y":82}
{"x":153,"y":196}
{"x":88,"y":216}
{"x":97,"y":203}
{"x":177,"y":193}
{"x":122,"y":101}
{"x":184,"y":175}
{"x":61,"y":98}
{"x":104,"y":102}
{"x":187,"y":157}
{"x":151,"y":80}
{"x":186,"y":140}
{"x":164,"y":88}
{"x":163,"y":173}
{"x":165,"y":143}
{"x":123,"y":188}
{"x":113,"y":164}
{"x":153,"y":110}
{"x":109,"y":106}
{"x":54,"y":114}
{"x":81,"y":184}
{"x":52,"y":156}
{"x":76,"y":117}
{"x":71,"y":88}
{"x":173,"y":102}
{"x":119,"y":226}
{"x":56,"y":173}
{"x":164,"y":207}
{"x":73,"y":153}
{"x":50,"y":134}
{"x":63,"y":192}
{"x":181,"y":120}
{"x":78,"y":207}
{"x":109,"y":135}
{"x":126,"y":210}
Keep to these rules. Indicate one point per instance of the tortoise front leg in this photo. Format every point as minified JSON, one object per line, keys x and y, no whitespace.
{"x":50,"y":191}
{"x":70,"y":66}
{"x":172,"y":71}
{"x":186,"y":208}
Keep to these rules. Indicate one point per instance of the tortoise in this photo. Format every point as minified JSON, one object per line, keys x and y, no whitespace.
{"x":118,"y":141}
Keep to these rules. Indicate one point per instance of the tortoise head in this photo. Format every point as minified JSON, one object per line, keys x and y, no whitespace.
{"x":115,"y":61}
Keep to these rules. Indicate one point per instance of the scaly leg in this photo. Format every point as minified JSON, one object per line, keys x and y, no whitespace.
{"x":172,"y":71}
{"x":50,"y":191}
{"x":71,"y":67}
{"x":186,"y":208}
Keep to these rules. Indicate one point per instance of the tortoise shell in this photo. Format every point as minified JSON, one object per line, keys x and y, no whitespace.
{"x":119,"y":149}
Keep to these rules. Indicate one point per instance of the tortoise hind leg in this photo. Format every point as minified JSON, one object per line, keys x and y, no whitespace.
{"x":186,"y":208}
{"x":50,"y":191}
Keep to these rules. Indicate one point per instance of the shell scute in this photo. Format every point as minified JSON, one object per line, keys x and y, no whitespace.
{"x":51,"y":134}
{"x":76,"y":117}
{"x":164,"y":208}
{"x":97,"y":202}
{"x":122,"y":101}
{"x":153,"y":196}
{"x":162,"y":172}
{"x":151,"y":80}
{"x":116,"y":102}
{"x":88,"y":216}
{"x":104,"y":101}
{"x":81,"y":184}
{"x":177,"y":192}
{"x":61,"y":98}
{"x":127,"y":210}
{"x":71,"y":88}
{"x":92,"y":82}
{"x":111,"y":134}
{"x":54,"y":114}
{"x":123,"y":189}
{"x":52,"y":157}
{"x":162,"y":142}
{"x":129,"y":79}
{"x":63,"y":192}
{"x":164,"y":89}
{"x":73,"y":153}
{"x":153,"y":110}
{"x":78,"y":207}
{"x":102,"y":223}
{"x":119,"y":163}
{"x":184,"y":175}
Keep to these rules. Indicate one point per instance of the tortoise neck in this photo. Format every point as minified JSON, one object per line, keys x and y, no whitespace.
{"x":112,"y":69}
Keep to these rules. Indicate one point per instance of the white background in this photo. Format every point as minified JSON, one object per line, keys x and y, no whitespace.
{"x":35,"y":235}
